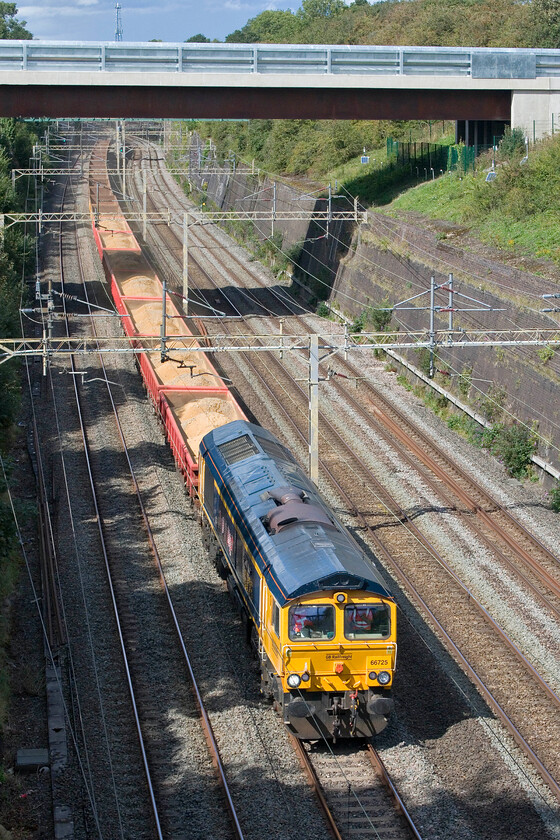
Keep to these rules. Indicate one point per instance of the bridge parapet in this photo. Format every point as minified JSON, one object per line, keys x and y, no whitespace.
{"x":289,"y":59}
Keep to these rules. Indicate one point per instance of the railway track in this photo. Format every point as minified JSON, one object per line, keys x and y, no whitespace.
{"x":382,"y":803}
{"x":144,"y":664}
{"x":465,"y":494}
{"x":353,"y":786}
{"x":474,"y":500}
{"x":376,"y":526}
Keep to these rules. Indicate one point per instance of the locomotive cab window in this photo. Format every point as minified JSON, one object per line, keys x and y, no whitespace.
{"x":366,"y":621}
{"x":276,"y":618}
{"x":311,"y":622}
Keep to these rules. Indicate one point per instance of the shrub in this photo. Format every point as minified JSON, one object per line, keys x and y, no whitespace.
{"x":423,"y":360}
{"x":545,"y":354}
{"x":491,"y":404}
{"x":512,"y":143}
{"x":555,"y":498}
{"x":514,"y":445}
{"x":359,"y":323}
{"x":465,"y":381}
{"x":436,"y":401}
{"x":379,"y":318}
{"x":402,"y":380}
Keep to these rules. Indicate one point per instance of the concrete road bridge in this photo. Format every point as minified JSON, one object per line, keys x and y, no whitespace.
{"x":478,"y":87}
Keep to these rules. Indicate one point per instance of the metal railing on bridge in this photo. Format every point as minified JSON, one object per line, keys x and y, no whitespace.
{"x":88,"y":56}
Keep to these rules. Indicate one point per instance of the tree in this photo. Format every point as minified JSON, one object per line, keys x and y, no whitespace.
{"x":311,"y":9}
{"x":546,"y":15}
{"x":270,"y":27}
{"x":198,"y":39}
{"x":10,"y":27}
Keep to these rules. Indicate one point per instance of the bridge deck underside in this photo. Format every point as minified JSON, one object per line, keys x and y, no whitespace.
{"x":252,"y":103}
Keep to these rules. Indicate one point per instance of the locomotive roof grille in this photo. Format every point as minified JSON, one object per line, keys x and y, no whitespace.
{"x":341,"y":580}
{"x":238,"y":449}
{"x":275,"y":450}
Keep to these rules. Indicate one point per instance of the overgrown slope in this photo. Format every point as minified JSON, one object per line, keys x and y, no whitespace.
{"x":519,"y":209}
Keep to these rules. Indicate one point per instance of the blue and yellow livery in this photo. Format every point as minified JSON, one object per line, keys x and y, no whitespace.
{"x":323,"y":622}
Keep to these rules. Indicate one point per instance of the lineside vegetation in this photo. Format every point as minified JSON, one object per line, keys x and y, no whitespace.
{"x":16,"y":259}
{"x":519,"y":210}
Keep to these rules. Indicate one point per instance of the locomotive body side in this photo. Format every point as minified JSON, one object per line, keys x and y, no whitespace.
{"x":324,"y":623}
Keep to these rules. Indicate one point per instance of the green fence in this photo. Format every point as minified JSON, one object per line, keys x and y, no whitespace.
{"x":431,"y":159}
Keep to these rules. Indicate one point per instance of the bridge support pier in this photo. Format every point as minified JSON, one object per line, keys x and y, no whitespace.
{"x":479,"y":133}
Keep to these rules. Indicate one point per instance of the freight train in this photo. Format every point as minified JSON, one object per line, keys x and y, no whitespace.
{"x":321,"y":618}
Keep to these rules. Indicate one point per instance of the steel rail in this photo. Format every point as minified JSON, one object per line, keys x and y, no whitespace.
{"x":47,"y":553}
{"x":316,"y":785}
{"x":381,"y":771}
{"x":377,"y":762}
{"x":103,"y":546}
{"x":489,"y":499}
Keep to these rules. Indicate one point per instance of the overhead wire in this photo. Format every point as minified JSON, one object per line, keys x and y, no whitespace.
{"x":422,"y":285}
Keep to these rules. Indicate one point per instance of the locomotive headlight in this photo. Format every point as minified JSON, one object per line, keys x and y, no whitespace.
{"x":372,"y":675}
{"x":305,"y":676}
{"x":294,"y":680}
{"x":383,"y":677}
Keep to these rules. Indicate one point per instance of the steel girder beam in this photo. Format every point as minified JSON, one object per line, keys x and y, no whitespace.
{"x":250,"y":103}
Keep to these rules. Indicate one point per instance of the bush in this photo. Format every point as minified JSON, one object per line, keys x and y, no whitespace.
{"x":402,"y":380}
{"x":491,"y":404}
{"x":514,"y":445}
{"x":423,"y":360}
{"x":512,"y":143}
{"x":555,"y":498}
{"x":358,"y":323}
{"x":379,"y":318}
{"x":545,"y":354}
{"x":465,"y":381}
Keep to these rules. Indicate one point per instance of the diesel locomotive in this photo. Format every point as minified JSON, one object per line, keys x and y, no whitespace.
{"x":323,"y":622}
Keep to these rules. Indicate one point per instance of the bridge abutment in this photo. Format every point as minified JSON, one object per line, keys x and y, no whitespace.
{"x":536,"y":112}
